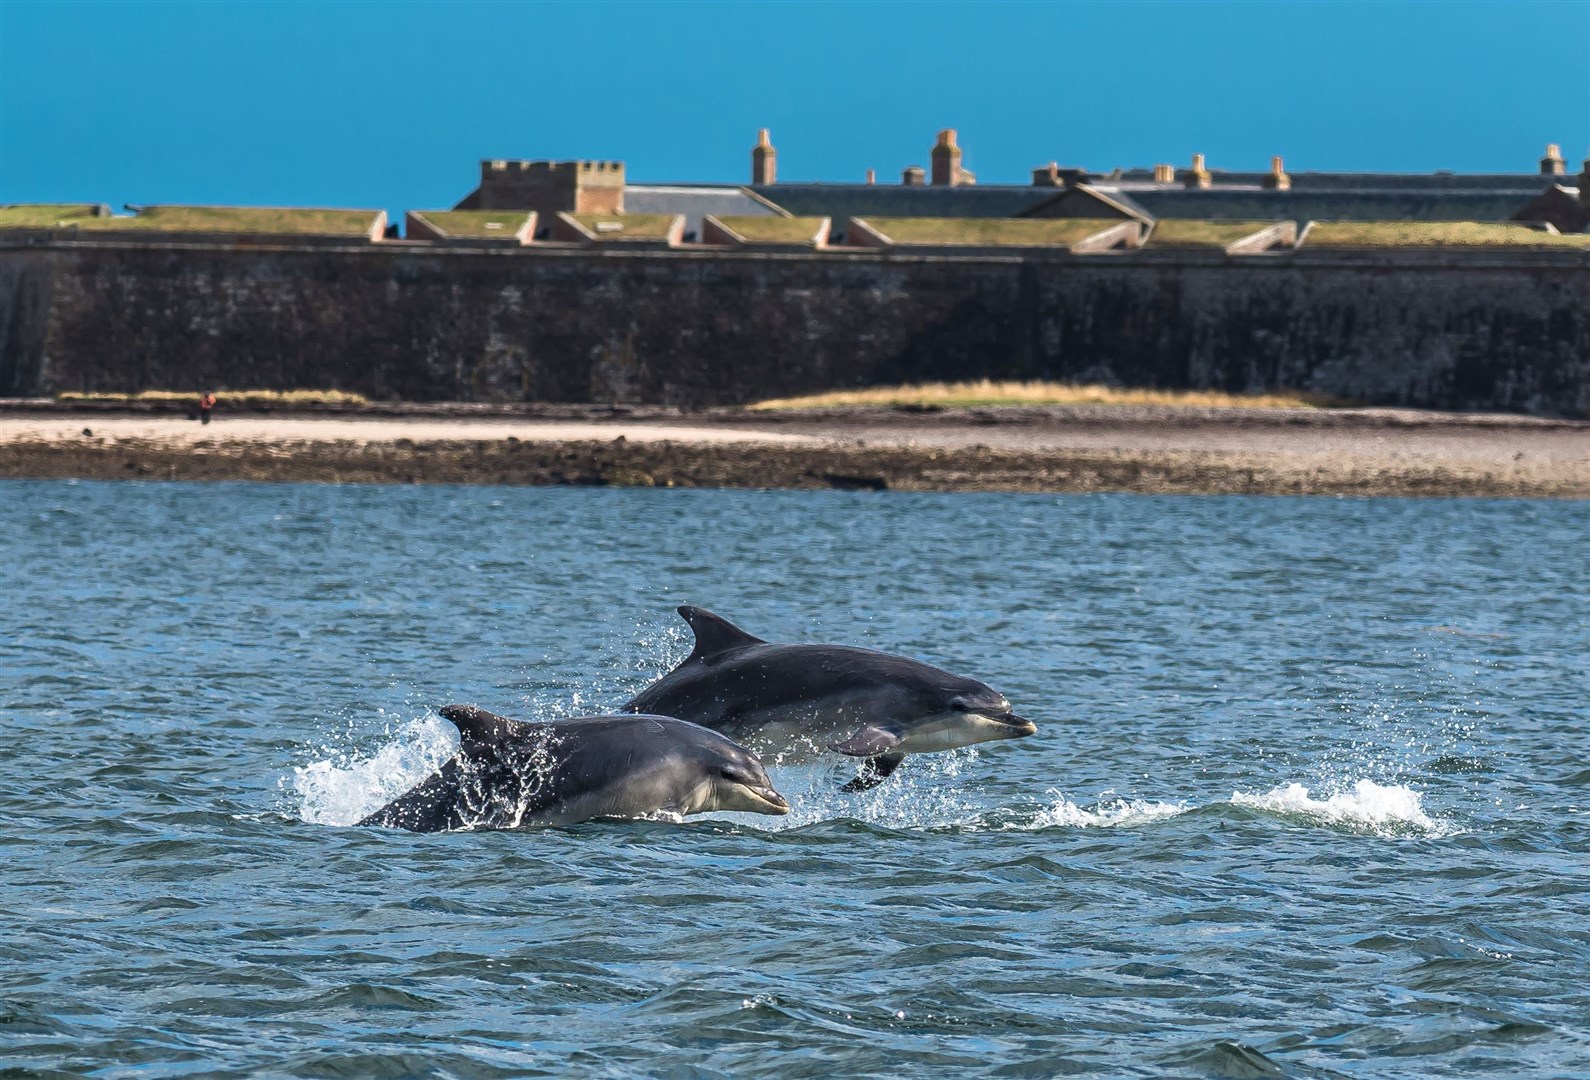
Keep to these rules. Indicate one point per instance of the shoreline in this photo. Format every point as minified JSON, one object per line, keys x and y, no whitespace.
{"x":1158,"y":450}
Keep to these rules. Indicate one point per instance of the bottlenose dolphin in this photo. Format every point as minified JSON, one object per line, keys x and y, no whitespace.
{"x":792,"y":698}
{"x":508,"y":774}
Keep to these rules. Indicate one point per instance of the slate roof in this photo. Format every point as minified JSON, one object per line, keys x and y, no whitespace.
{"x":1360,"y":181}
{"x":694,"y":201}
{"x":1255,"y":204}
{"x":844,"y":201}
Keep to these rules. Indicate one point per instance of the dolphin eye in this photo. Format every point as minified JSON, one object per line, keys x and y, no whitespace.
{"x":733,"y":772}
{"x":958,"y":705}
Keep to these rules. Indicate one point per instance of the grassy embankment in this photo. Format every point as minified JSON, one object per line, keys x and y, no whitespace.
{"x":1181,"y":232}
{"x":1471,"y":234}
{"x":989,"y":232}
{"x":244,"y":398}
{"x":627,"y":226}
{"x":46,"y":215}
{"x":476,"y":223}
{"x":987,"y":392}
{"x":774,"y":230}
{"x":195,"y":219}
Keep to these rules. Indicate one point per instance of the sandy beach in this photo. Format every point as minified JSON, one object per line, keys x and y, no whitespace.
{"x":1073,"y":448}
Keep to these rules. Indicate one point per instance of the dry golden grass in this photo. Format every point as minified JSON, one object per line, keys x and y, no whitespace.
{"x":232,"y":397}
{"x":987,"y":392}
{"x":45,"y":215}
{"x":495,"y":224}
{"x":1178,"y":232}
{"x":1479,"y":234}
{"x":305,"y":221}
{"x":989,"y":232}
{"x":627,"y":226}
{"x":774,"y":230}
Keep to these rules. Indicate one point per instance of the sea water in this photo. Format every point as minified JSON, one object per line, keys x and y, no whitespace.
{"x":1310,"y":793}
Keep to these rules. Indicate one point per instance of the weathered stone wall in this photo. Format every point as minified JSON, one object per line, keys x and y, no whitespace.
{"x":419,"y":323}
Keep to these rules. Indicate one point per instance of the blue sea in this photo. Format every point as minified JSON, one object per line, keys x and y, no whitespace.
{"x":1310,"y":795}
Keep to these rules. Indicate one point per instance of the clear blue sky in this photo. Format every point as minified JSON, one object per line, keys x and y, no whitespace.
{"x":393,"y":105}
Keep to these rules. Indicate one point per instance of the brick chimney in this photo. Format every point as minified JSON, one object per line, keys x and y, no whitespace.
{"x":1047,"y":176}
{"x":872,"y":176}
{"x":764,"y":160}
{"x":1553,"y":164}
{"x":1164,"y":174}
{"x":913,"y":176}
{"x":1277,"y":180}
{"x":946,"y":160}
{"x":1197,"y":176}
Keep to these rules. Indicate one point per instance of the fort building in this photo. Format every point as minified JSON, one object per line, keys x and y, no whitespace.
{"x":549,"y":187}
{"x":564,"y":281}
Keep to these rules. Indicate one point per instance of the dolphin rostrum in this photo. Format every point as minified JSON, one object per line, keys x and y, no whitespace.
{"x":791,"y":698}
{"x":508,"y":774}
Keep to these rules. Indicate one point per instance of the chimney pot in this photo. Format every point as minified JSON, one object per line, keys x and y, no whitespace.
{"x":764,"y":160}
{"x":946,"y":160}
{"x":1552,"y":164}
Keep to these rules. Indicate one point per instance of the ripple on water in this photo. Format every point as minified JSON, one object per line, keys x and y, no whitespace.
{"x":1273,"y":822}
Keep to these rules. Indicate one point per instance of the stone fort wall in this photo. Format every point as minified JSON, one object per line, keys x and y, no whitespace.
{"x":1509,"y":331}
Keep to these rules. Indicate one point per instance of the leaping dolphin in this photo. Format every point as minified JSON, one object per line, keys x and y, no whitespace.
{"x":508,"y":774}
{"x":793,"y":698}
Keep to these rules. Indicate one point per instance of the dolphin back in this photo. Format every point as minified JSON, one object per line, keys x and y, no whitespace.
{"x":508,"y":773}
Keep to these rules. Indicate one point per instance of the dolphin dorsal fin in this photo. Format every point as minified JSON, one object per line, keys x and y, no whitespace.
{"x":479,"y":728}
{"x":715,"y":635}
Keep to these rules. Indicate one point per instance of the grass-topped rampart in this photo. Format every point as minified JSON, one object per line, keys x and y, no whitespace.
{"x":46,"y":215}
{"x":770,"y":229}
{"x":1187,"y":233}
{"x":286,"y":221}
{"x":488,"y":224}
{"x":626,"y":226}
{"x":1437,"y":234}
{"x":988,"y":232}
{"x":987,"y":392}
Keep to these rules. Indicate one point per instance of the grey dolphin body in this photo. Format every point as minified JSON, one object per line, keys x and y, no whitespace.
{"x":508,"y":774}
{"x":783,"y":698}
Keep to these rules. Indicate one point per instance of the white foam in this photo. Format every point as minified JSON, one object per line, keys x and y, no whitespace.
{"x":341,"y":789}
{"x":1109,"y":813}
{"x":927,"y":792}
{"x":1367,"y":805}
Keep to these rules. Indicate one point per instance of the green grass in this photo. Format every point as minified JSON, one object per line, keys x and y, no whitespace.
{"x":1176,"y":232}
{"x":630,"y":226}
{"x":232,"y":397}
{"x":774,"y":230}
{"x":986,"y":392}
{"x":990,"y":232}
{"x":44,"y":215}
{"x":239,"y":219}
{"x":1436,"y":234}
{"x":476,"y":223}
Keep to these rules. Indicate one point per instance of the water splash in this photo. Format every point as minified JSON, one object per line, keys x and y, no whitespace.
{"x":927,"y":792}
{"x":1105,"y":813}
{"x":1383,"y":809}
{"x":345,"y":786}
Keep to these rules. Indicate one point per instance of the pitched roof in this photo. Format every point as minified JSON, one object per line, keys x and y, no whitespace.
{"x":695,"y":201}
{"x":841,"y":201}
